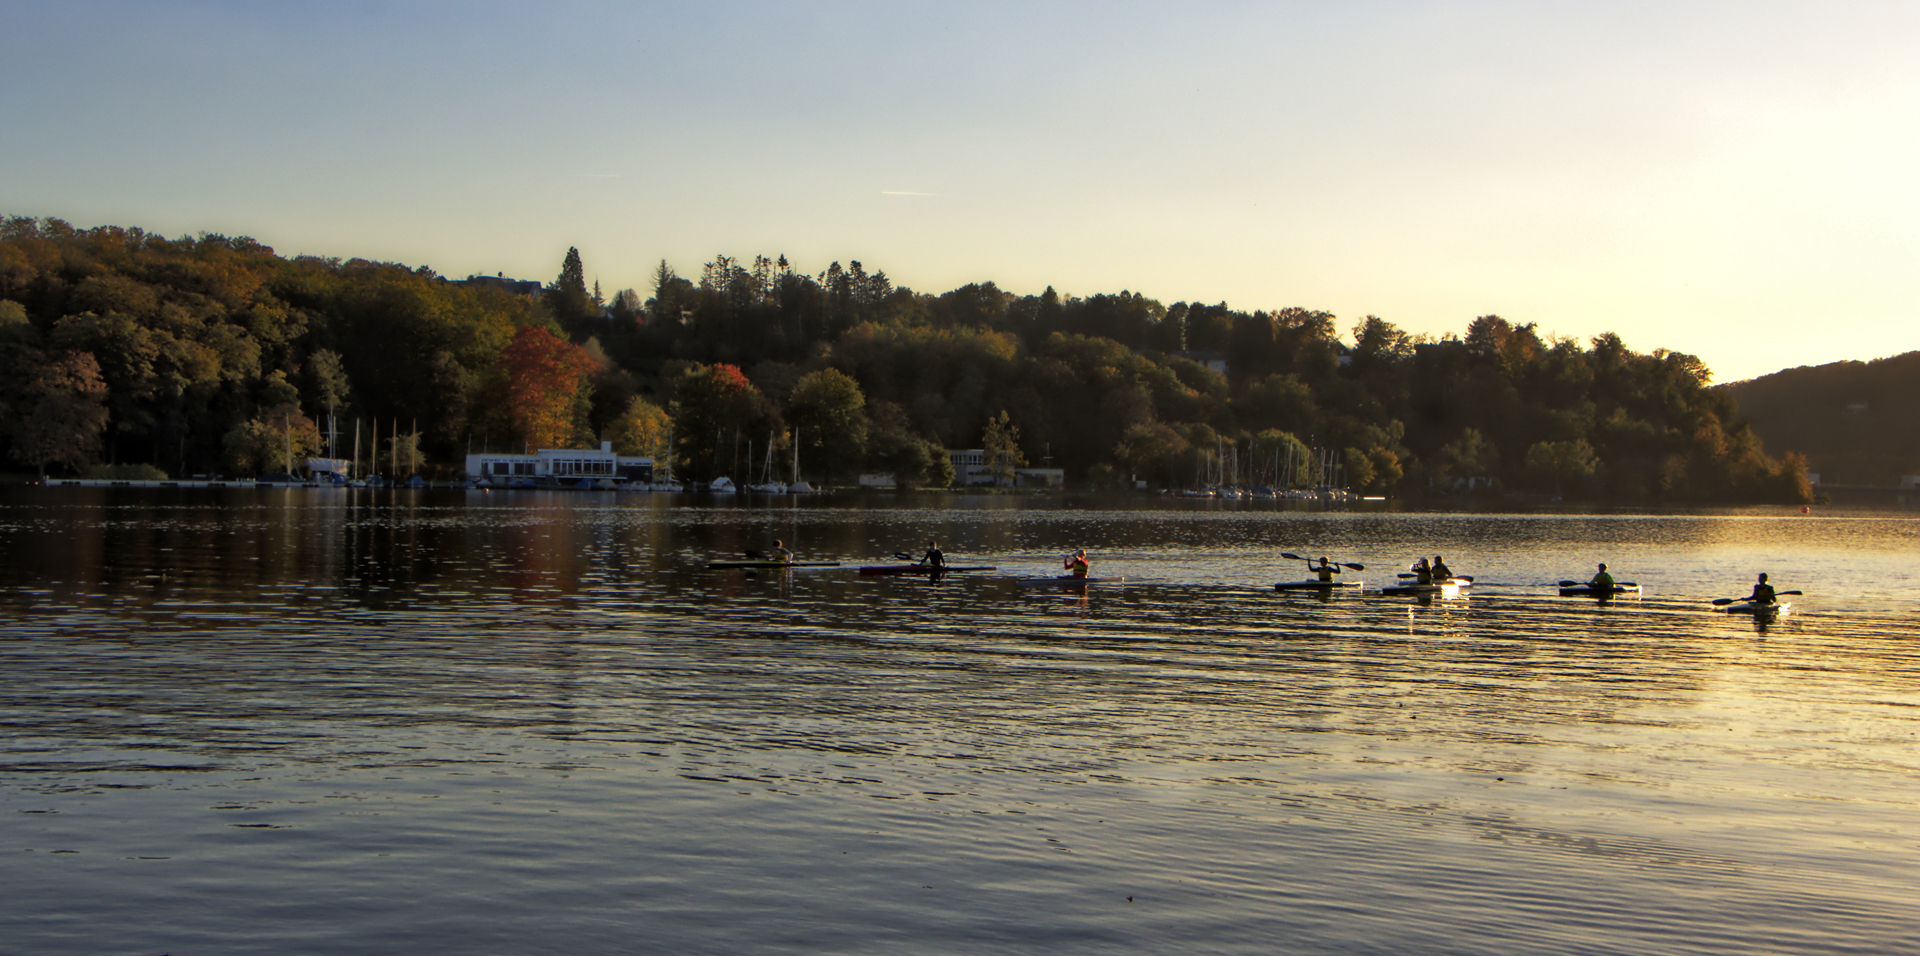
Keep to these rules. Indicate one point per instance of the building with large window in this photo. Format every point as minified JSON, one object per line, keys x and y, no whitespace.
{"x":970,"y":470}
{"x":969,"y":467}
{"x":556,"y":465}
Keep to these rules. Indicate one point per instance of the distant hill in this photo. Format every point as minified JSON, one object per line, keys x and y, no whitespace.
{"x":1858,"y":423}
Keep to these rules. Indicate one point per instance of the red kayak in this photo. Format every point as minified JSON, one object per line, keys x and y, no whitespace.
{"x":923,"y":568}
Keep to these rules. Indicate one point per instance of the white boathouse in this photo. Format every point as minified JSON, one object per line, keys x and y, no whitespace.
{"x":560,"y":464}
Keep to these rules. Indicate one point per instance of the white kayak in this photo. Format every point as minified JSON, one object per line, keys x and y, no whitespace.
{"x":1776,"y":609}
{"x":1449,"y":588}
{"x":1458,"y":580}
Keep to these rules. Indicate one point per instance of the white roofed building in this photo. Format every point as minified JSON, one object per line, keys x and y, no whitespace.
{"x":554,"y":465}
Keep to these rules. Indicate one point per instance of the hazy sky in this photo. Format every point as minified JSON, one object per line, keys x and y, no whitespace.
{"x":1736,"y":180}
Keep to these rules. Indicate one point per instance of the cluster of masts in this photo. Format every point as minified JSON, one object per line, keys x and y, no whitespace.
{"x":769,"y":483}
{"x":1291,"y":471}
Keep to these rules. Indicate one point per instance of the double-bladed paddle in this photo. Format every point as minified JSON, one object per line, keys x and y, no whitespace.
{"x":1723,"y":602}
{"x":1588,"y":584}
{"x":1345,"y":564}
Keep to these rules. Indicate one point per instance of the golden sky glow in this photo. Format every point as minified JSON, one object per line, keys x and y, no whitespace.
{"x":1733,"y":180}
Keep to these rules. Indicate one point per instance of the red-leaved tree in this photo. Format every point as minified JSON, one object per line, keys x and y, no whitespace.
{"x":715,"y":405}
{"x":67,"y":416}
{"x":545,"y":387}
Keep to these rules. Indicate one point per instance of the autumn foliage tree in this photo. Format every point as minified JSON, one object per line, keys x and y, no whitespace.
{"x":68,"y":413}
{"x":716,"y":404}
{"x":545,"y":387}
{"x":1001,"y":442}
{"x":278,"y":441}
{"x":642,"y":430}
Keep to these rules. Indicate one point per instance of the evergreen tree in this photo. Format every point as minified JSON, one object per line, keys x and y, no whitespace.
{"x":572,"y":306}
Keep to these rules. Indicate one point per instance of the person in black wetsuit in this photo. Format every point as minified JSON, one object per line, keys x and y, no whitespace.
{"x":934,"y":558}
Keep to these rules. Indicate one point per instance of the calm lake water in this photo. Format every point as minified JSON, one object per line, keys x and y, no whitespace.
{"x":390,"y":722}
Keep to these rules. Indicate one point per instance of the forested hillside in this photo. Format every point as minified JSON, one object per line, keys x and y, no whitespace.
{"x":1858,"y":423}
{"x":212,"y":353}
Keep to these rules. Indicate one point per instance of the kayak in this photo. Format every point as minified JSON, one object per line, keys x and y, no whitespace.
{"x":1777,"y":609}
{"x":1315,"y":585}
{"x":1588,"y":590}
{"x":718,"y":565}
{"x":1068,"y":580}
{"x":923,"y":569}
{"x":1447,"y":588}
{"x":1458,"y":580}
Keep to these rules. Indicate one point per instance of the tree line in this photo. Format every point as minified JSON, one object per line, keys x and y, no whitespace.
{"x":122,"y":348}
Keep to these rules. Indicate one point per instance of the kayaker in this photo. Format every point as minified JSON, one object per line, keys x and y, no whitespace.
{"x":1422,"y":571}
{"x":1763,"y":592}
{"x":780,"y":552}
{"x":1603,"y":580}
{"x":1326,"y":569}
{"x":1077,"y":563}
{"x":934,"y":558}
{"x":1440,"y":570}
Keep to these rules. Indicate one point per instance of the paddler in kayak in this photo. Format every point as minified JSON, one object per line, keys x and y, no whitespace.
{"x":934,"y":558}
{"x":1763,"y":592}
{"x":1440,"y":570}
{"x":1077,"y":564}
{"x":1602,"y":581}
{"x":1325,"y":569}
{"x":1422,"y":572}
{"x":780,"y":553}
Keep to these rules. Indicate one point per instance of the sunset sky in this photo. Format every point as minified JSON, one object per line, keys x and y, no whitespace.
{"x":1734,"y":180}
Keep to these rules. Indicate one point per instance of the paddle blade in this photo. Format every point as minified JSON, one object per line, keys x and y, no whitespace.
{"x":1353,"y":565}
{"x":1723,"y":602}
{"x":1569,"y":584}
{"x":902,"y":555}
{"x":753,"y":554}
{"x":1290,"y":556}
{"x":1785,"y":593}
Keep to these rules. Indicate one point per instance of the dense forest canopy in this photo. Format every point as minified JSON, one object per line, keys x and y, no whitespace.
{"x":211,"y":353}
